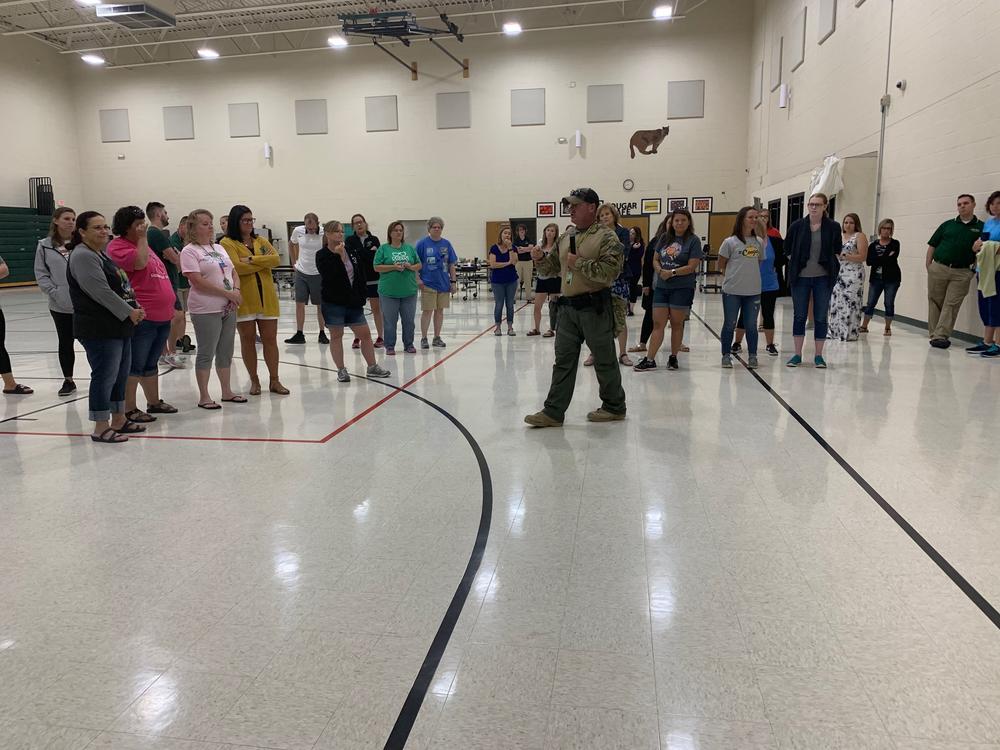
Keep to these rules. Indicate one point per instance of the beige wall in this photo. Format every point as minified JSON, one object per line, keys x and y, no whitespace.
{"x":941,"y":136}
{"x":38,"y":124}
{"x":490,"y":171}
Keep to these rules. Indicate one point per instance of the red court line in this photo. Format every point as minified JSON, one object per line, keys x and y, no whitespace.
{"x":353,"y":420}
{"x":411,"y":381}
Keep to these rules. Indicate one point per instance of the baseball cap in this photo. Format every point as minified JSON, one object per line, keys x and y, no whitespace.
{"x":582,"y":195}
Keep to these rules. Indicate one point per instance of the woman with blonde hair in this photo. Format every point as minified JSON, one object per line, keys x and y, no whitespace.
{"x":212,"y":302}
{"x":253,"y":257}
{"x":547,"y":287}
{"x":397,"y":264}
{"x":883,"y":258}
{"x":344,"y":294}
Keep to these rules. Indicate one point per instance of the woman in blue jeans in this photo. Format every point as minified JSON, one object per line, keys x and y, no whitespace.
{"x":397,"y":264}
{"x":883,"y":258}
{"x":812,"y":245}
{"x":503,"y":277}
{"x":740,"y":256}
{"x":105,"y":313}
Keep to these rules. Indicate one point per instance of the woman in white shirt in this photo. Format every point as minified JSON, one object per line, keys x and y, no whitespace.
{"x":303,"y":245}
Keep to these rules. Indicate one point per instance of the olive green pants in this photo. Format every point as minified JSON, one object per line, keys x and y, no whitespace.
{"x":575,"y":328}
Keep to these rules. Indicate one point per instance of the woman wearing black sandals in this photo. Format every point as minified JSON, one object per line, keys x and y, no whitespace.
{"x":51,"y":261}
{"x":10,"y":386}
{"x":546,"y":287}
{"x":105,"y":313}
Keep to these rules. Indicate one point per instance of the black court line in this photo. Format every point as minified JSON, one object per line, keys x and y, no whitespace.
{"x":422,"y":683}
{"x":928,"y":549}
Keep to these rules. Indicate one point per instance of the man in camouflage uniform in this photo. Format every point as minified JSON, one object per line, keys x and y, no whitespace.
{"x":588,"y":263}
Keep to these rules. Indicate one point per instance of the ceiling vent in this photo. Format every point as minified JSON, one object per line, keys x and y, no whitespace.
{"x":139,"y":16}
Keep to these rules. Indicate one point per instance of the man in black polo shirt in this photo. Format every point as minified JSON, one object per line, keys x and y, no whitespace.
{"x":950,"y":258}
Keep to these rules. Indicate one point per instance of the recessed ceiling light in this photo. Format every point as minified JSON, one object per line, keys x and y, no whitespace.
{"x":663,"y":11}
{"x":92,"y":59}
{"x":208,"y":53}
{"x":91,"y":2}
{"x":337,"y":41}
{"x":512,"y":28}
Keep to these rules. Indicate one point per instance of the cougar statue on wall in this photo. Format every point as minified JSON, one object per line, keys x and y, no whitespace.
{"x":647,"y":141}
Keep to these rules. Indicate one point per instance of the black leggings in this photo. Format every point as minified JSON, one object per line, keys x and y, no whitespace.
{"x":767,"y":301}
{"x":64,"y":329}
{"x":4,"y":356}
{"x":647,"y":319}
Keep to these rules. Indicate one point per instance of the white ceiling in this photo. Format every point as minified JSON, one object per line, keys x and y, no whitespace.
{"x":240,"y":28}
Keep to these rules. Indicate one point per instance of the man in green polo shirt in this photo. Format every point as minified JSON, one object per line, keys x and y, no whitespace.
{"x":950,"y":258}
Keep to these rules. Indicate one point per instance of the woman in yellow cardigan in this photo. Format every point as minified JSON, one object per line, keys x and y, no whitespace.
{"x":254,"y":257}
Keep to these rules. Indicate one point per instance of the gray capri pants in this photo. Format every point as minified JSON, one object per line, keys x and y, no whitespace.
{"x":215,"y":334}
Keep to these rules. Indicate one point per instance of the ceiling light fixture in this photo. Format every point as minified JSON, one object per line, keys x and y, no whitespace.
{"x":512,"y":28}
{"x":92,"y":59}
{"x":337,"y":41}
{"x":662,"y":12}
{"x":91,"y":2}
{"x":207,"y":53}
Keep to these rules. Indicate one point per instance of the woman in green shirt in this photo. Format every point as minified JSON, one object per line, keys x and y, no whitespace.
{"x":397,"y":265}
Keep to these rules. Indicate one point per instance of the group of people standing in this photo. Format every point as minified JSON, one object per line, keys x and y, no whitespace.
{"x":112,"y":288}
{"x":125,"y":299}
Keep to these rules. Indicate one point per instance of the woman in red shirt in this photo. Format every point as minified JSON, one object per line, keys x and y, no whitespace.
{"x":155,"y":294}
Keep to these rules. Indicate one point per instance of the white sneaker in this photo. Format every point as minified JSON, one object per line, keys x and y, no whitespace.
{"x":175,"y":361}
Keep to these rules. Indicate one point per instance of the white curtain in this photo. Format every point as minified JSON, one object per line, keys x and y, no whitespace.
{"x":827,"y":178}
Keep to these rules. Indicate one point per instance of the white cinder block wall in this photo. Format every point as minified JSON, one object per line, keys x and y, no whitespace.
{"x":491,"y":171}
{"x":941,"y":136}
{"x":38,"y":127}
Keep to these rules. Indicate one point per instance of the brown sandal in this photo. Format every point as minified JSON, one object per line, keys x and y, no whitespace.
{"x":533,"y":332}
{"x":548,"y":334}
{"x":887,"y":332}
{"x":254,"y":388}
{"x":863,"y":329}
{"x":277,"y":387}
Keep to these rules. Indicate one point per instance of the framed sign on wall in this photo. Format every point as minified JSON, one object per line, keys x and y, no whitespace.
{"x":701,"y":205}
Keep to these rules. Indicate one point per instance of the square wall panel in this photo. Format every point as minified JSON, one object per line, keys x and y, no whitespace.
{"x":310,"y":116}
{"x":827,"y":20}
{"x":114,"y":126}
{"x":454,"y":110}
{"x":796,"y":50}
{"x":381,"y":114}
{"x":776,"y":63}
{"x":527,"y":107}
{"x":685,"y":99}
{"x":244,"y":121}
{"x":606,"y":103}
{"x":178,"y":123}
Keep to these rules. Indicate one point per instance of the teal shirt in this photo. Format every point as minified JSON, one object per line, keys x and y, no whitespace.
{"x":396,"y":283}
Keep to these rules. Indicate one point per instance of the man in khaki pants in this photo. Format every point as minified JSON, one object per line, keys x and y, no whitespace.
{"x":949,"y":270}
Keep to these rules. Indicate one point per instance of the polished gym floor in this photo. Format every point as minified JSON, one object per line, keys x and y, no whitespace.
{"x":808,"y":559}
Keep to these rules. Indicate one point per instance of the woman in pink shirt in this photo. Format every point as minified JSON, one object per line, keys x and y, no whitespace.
{"x":155,"y":294}
{"x":212,"y":303}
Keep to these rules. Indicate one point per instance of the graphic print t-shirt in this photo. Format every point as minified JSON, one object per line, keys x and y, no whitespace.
{"x":743,"y":261}
{"x":677,"y":254}
{"x":435,"y":257}
{"x":396,"y":283}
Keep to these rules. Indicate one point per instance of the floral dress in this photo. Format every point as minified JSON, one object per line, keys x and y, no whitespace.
{"x":847,"y":299}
